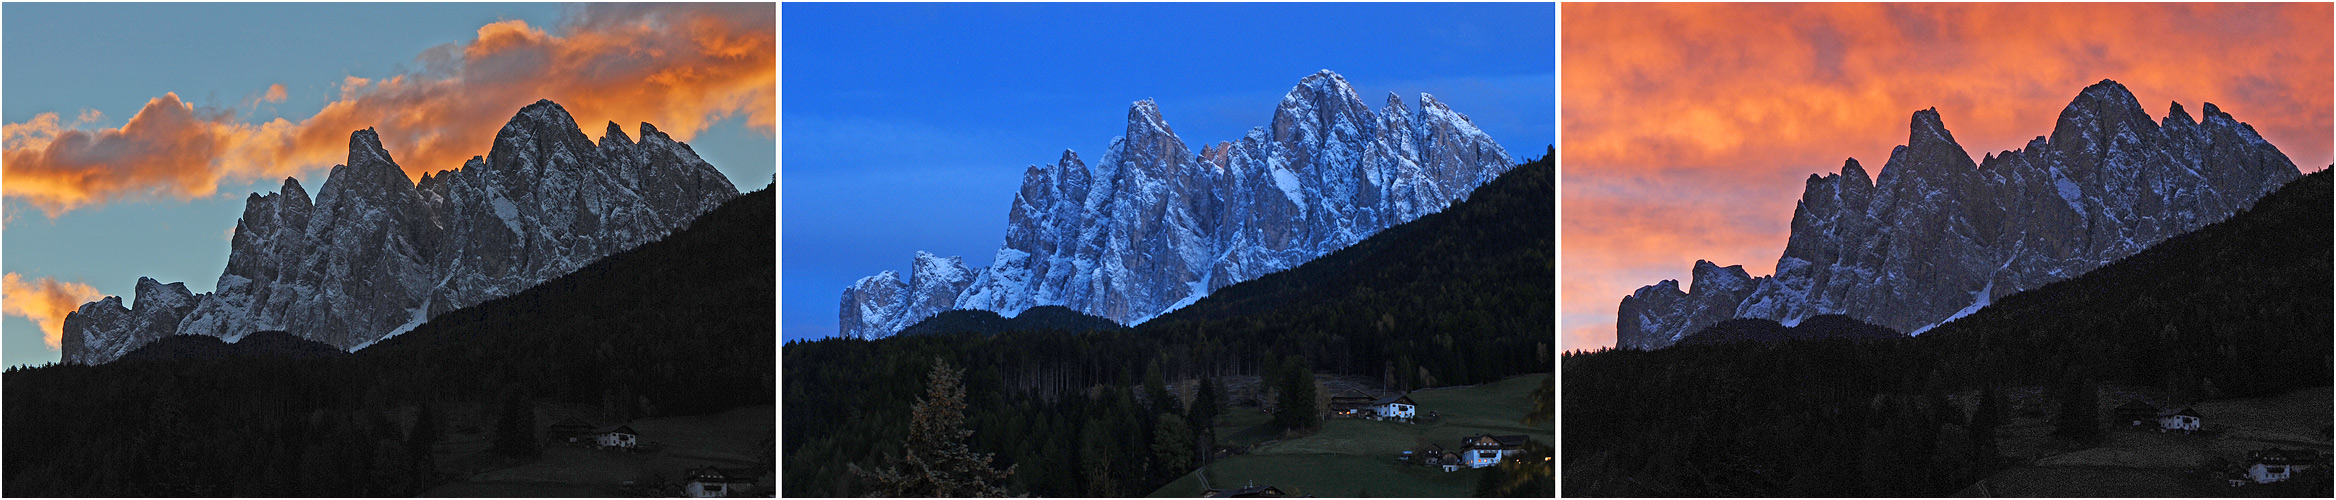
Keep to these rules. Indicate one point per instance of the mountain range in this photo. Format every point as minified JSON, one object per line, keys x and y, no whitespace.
{"x":374,"y":254}
{"x":1937,"y":236}
{"x":1154,"y":225}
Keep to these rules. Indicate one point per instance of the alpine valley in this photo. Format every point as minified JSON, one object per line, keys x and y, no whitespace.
{"x":375,"y":255}
{"x":1153,"y":225}
{"x":2039,"y":323}
{"x":1167,"y":322}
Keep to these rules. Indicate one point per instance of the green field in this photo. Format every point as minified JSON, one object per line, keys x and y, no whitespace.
{"x":2131,"y":463}
{"x":728,"y":439}
{"x":1348,"y":457}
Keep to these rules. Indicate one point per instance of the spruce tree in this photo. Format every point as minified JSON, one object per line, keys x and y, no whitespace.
{"x":937,"y":463}
{"x":1295,"y":409}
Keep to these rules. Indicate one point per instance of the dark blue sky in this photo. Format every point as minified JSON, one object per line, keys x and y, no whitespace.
{"x":906,"y":127}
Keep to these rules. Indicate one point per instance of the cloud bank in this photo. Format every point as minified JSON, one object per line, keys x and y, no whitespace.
{"x":680,"y":66}
{"x":44,"y":301}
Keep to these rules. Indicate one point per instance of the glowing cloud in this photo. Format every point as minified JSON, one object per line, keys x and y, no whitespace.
{"x":1689,"y":128}
{"x":679,"y":66}
{"x":44,"y":301}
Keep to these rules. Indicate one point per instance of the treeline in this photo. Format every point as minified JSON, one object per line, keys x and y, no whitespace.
{"x":2239,"y":308}
{"x":1460,"y":297}
{"x":675,"y":327}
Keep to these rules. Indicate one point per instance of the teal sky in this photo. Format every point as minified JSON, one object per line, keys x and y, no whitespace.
{"x":113,"y":58}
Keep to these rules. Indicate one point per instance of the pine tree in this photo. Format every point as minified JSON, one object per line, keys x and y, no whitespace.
{"x":1172,"y":445}
{"x":1295,"y":409}
{"x":2079,"y":418}
{"x":515,"y":428}
{"x":937,"y":463}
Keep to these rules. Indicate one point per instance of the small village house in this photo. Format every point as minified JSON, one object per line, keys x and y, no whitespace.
{"x":1351,"y":403}
{"x":1487,"y":450}
{"x":1450,"y":461}
{"x":716,"y":482}
{"x":2136,"y":414}
{"x":2275,"y":465}
{"x":569,"y":430}
{"x":1397,"y":406}
{"x":2183,"y":421}
{"x":621,"y":436}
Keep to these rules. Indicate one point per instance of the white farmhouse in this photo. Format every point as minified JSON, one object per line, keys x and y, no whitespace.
{"x":1397,"y":406}
{"x":717,"y":482}
{"x":2184,"y":421}
{"x":2275,"y":465}
{"x":620,"y":437}
{"x":1487,"y":450}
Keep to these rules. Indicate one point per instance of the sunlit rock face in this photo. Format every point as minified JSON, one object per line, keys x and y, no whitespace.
{"x":1937,"y":235}
{"x":1153,"y":225}
{"x":375,"y":254}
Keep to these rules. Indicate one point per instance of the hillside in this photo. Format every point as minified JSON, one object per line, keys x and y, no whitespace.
{"x":1824,"y":326}
{"x":1355,"y":458}
{"x":676,"y":327}
{"x":2237,"y":309}
{"x":277,"y":344}
{"x":1041,"y":318}
{"x":1460,"y":297}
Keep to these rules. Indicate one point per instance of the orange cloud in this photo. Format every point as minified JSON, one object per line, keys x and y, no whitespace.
{"x":1689,"y":128}
{"x":44,"y":301}
{"x":275,"y":93}
{"x":679,"y":66}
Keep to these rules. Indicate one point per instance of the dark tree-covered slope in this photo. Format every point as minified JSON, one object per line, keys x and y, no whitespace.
{"x":2237,"y":308}
{"x":1823,"y":326}
{"x":1454,"y":298}
{"x":679,"y":326}
{"x":278,"y":344}
{"x":1041,"y":318}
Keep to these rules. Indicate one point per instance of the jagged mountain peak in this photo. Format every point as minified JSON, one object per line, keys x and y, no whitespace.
{"x":1935,"y":238}
{"x":616,"y":136}
{"x":1155,"y":225}
{"x":378,"y":253}
{"x":365,"y":149}
{"x":1143,"y":119}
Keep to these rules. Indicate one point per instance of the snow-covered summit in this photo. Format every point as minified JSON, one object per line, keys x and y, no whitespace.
{"x":375,"y":254}
{"x":1937,"y":235}
{"x":1155,"y":225}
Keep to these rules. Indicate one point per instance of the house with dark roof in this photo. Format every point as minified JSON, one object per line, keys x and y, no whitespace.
{"x":715,"y":482}
{"x":1486,"y":450}
{"x":2275,"y":465}
{"x":621,"y":436}
{"x":1351,"y":403}
{"x":2183,"y":421}
{"x":569,"y":430}
{"x":1396,"y":406}
{"x":2136,"y":414}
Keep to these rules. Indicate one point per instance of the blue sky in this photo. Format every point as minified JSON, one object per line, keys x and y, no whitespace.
{"x":906,"y":127}
{"x":63,"y":58}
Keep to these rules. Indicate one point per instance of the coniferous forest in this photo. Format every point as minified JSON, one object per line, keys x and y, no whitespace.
{"x":2240,"y":308}
{"x":680,"y":326}
{"x":1460,"y":297}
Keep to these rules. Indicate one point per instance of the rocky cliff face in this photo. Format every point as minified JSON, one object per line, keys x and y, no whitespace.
{"x":375,"y":255}
{"x":1937,"y":236}
{"x":1154,"y":225}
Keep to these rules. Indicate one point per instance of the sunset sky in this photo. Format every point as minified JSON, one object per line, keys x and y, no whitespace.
{"x":908,"y":126}
{"x":1688,"y":129}
{"x":134,"y":131}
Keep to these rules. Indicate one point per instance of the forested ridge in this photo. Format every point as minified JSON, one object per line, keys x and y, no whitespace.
{"x":680,"y":326}
{"x":1459,"y":297}
{"x":2238,"y":308}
